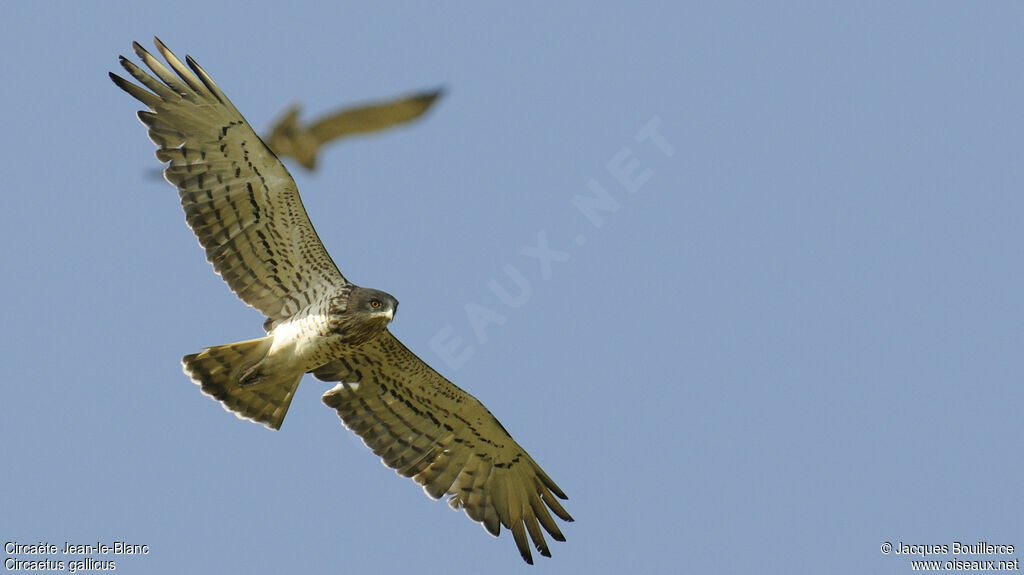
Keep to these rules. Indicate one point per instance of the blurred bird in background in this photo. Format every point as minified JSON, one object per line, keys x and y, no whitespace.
{"x":289,"y":139}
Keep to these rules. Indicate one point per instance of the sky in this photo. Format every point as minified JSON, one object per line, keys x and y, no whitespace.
{"x":745,"y":280}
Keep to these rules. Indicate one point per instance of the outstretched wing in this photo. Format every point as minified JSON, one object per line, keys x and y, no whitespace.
{"x":373,"y":117}
{"x":239,"y":199}
{"x":426,"y":428}
{"x":290,"y":139}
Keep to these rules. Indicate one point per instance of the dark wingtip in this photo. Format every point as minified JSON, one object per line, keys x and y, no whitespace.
{"x":139,"y":49}
{"x":121,"y":82}
{"x":432,"y":95}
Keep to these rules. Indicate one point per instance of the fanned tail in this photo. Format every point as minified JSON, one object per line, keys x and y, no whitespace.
{"x":229,"y":374}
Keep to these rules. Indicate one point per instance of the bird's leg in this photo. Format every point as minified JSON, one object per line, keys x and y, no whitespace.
{"x":251,"y":376}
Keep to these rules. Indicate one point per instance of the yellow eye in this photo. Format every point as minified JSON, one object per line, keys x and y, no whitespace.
{"x":375,"y":303}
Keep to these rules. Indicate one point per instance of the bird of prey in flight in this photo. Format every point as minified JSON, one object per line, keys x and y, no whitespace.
{"x":245,"y":209}
{"x":289,"y":139}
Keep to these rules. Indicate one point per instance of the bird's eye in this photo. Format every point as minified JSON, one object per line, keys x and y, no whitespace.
{"x":375,"y":303}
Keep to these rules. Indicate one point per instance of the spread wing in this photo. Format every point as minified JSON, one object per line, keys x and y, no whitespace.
{"x":426,"y":428}
{"x":289,"y":139}
{"x":372,"y":117}
{"x":239,"y":199}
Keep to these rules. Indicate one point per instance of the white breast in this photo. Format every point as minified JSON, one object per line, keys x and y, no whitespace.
{"x":297,"y":341}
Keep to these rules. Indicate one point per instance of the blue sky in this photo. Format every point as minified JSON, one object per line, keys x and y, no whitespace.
{"x":774,"y":349}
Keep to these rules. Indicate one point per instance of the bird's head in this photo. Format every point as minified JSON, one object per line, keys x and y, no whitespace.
{"x":367,"y":313}
{"x":373,"y":303}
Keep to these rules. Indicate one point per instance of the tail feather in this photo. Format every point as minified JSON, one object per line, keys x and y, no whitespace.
{"x":221,"y":370}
